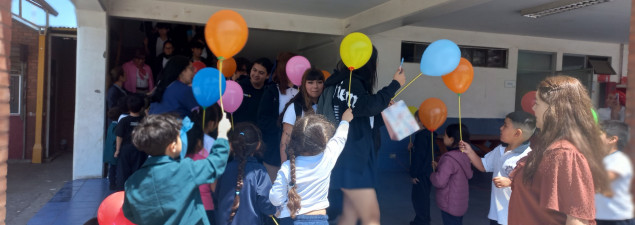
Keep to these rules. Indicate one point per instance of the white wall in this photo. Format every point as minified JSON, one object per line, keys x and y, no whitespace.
{"x":487,"y":96}
{"x":90,"y":94}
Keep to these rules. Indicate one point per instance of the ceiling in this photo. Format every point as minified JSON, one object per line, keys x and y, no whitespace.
{"x":606,"y":22}
{"x":323,"y":8}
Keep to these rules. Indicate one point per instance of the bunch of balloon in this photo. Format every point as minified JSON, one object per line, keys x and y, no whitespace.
{"x":233,"y":98}
{"x":459,"y":81}
{"x":226,"y":34}
{"x":228,"y":67}
{"x":203,"y":88}
{"x":355,"y":51}
{"x":296,"y":66}
{"x":432,"y":114}
{"x":440,"y":58}
{"x":110,"y":210}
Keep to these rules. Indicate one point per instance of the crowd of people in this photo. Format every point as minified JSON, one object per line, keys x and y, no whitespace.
{"x":289,"y":147}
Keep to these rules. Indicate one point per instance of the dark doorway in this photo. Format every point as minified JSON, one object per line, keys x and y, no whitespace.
{"x":61,"y":94}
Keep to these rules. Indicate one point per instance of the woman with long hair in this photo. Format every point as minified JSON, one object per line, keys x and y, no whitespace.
{"x":556,"y":182}
{"x":301,"y":105}
{"x":173,"y":92}
{"x":354,"y":172}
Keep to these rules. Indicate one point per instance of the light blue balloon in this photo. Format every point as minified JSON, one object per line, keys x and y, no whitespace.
{"x":440,"y":58}
{"x":205,"y":86}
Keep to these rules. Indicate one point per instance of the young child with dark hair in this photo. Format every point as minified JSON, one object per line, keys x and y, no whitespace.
{"x":519,"y":126}
{"x":618,"y":209}
{"x":165,"y":190}
{"x":195,"y":151}
{"x":420,"y":170}
{"x":242,"y":193}
{"x":212,"y":117}
{"x":452,"y":175}
{"x":302,"y":185}
{"x":129,"y":158}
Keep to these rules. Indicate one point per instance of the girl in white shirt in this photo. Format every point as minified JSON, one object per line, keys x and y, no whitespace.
{"x":301,"y":188}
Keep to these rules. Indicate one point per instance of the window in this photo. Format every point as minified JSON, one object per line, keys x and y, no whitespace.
{"x":599,"y":64}
{"x":478,"y":56}
{"x":15,"y":89}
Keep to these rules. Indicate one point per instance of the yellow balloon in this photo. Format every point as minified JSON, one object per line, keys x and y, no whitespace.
{"x":412,"y":109}
{"x":356,"y":50}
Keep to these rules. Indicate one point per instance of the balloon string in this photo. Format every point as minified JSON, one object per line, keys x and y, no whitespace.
{"x":404,"y":88}
{"x":232,"y":116}
{"x":274,"y":220}
{"x":204,"y":119}
{"x":410,"y":151}
{"x":432,"y":149}
{"x":220,"y":85}
{"x":460,"y":126}
{"x":350,"y":79}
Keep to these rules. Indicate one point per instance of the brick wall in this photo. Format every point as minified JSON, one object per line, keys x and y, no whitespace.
{"x":5,"y":40}
{"x":23,"y":35}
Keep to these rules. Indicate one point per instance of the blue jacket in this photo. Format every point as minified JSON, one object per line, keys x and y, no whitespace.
{"x":165,"y":190}
{"x":254,"y":207}
{"x":178,"y":97}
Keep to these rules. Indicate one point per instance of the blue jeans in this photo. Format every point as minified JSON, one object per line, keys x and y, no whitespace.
{"x":450,"y":219}
{"x":305,"y":220}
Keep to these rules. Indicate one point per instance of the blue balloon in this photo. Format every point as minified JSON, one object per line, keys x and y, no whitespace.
{"x":440,"y":58}
{"x":205,"y":86}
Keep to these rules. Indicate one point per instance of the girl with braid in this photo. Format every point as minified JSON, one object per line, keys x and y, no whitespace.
{"x":301,"y":187}
{"x":243,"y":190}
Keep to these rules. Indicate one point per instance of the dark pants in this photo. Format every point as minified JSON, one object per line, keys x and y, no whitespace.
{"x":129,"y":161}
{"x":112,"y":175}
{"x":421,"y":202}
{"x":450,"y":219}
{"x":210,"y":216}
{"x":493,"y":222}
{"x":616,"y":222}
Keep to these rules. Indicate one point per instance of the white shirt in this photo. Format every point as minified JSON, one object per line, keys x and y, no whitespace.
{"x":502,"y":163}
{"x":290,"y":117}
{"x":208,"y":142}
{"x":284,"y":98}
{"x":142,"y":82}
{"x":313,"y":176}
{"x":605,"y":113}
{"x":164,"y":62}
{"x":620,"y":206}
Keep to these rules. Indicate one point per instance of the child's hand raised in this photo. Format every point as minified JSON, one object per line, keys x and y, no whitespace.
{"x":466,"y":148}
{"x":223,"y":126}
{"x":348,"y":115}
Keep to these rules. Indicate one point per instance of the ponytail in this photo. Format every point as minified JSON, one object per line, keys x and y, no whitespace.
{"x":294,"y":199}
{"x":239,"y":186}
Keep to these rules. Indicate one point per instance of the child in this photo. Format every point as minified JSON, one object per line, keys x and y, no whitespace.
{"x":242,"y":193}
{"x":619,"y":208}
{"x":519,"y":126}
{"x":212,"y":116}
{"x":196,"y":152}
{"x":129,"y":158}
{"x":451,"y":177}
{"x":165,"y":190}
{"x":420,"y":170}
{"x":302,"y":185}
{"x":110,"y":146}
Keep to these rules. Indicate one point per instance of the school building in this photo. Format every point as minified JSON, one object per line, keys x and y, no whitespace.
{"x":510,"y":51}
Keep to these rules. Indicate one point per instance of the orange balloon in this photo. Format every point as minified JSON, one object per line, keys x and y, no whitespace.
{"x":226,"y":33}
{"x":433,"y":113}
{"x":326,"y":74}
{"x":229,"y":66}
{"x":460,"y":79}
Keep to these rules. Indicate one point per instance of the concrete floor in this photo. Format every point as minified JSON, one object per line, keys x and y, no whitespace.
{"x":31,"y":186}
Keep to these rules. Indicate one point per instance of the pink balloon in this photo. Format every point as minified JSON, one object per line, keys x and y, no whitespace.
{"x":233,"y":96}
{"x":296,"y":66}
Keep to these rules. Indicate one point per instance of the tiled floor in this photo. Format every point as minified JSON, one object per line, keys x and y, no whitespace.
{"x":75,"y":203}
{"x":78,"y":201}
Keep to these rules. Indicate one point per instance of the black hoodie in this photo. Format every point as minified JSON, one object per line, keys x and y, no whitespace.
{"x":359,"y":144}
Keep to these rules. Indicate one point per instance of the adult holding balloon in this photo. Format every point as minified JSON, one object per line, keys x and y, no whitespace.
{"x":353,"y":84}
{"x":274,"y":98}
{"x":173,"y":93}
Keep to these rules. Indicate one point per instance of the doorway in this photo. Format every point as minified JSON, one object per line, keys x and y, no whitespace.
{"x":61,"y":94}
